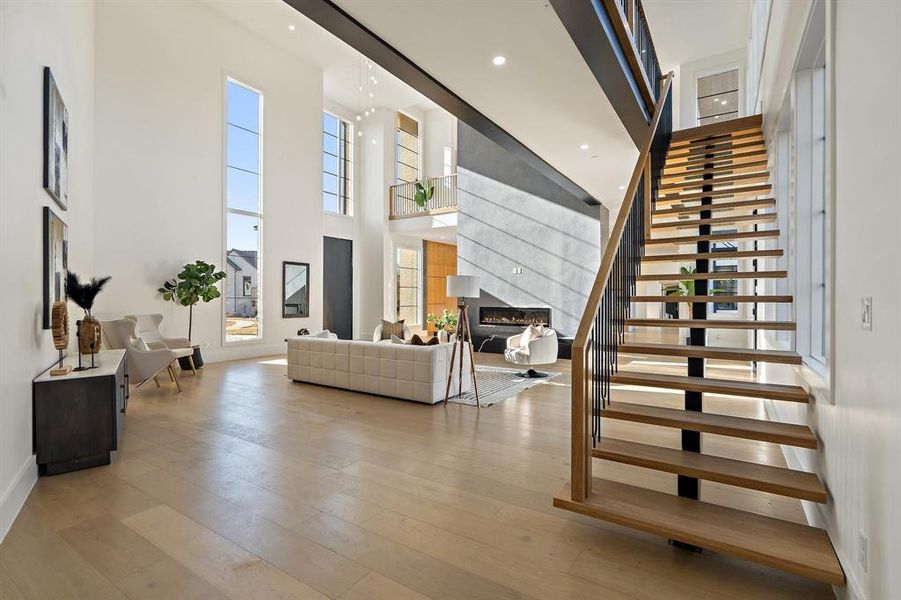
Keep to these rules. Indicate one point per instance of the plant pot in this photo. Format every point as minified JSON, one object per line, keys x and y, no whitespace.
{"x":185,"y":363}
{"x":89,"y":336}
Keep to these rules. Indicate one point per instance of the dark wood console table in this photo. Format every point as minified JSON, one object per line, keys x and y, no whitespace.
{"x":78,"y":416}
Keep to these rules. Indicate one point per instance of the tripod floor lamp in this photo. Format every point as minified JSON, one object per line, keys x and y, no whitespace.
{"x":463,"y":287}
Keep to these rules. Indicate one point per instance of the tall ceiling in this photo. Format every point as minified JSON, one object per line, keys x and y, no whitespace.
{"x":544,"y":95}
{"x":315,"y":46}
{"x":687,"y":30}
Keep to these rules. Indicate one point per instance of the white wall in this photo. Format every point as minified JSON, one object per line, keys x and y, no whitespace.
{"x":856,"y":413}
{"x":440,"y":130}
{"x":161,"y":68}
{"x":685,"y":109}
{"x":32,"y":35}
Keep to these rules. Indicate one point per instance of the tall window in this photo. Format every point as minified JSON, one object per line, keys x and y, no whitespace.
{"x":407,"y":273}
{"x":243,"y":186}
{"x":407,"y":149}
{"x":337,"y":165}
{"x":722,"y":288}
{"x":718,"y":97}
{"x":448,"y":161}
{"x":818,"y":231}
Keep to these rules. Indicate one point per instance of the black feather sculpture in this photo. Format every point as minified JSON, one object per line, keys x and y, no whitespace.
{"x":83,"y":294}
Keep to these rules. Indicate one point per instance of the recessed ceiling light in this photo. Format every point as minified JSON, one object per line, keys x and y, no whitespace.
{"x":359,"y":134}
{"x":372,"y":140}
{"x":724,"y":102}
{"x":359,"y":118}
{"x":291,"y":27}
{"x":716,"y":99}
{"x":622,"y":187}
{"x":499,"y":60}
{"x":583,"y":147}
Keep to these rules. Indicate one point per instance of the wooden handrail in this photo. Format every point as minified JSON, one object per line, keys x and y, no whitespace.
{"x":624,"y":25}
{"x":581,"y":450}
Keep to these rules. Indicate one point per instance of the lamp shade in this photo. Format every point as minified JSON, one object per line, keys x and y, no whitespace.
{"x":463,"y":286}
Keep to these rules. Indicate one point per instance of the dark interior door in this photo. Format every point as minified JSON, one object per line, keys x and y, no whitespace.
{"x":337,"y":288}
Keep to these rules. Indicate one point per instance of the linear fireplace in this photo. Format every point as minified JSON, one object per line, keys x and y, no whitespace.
{"x":510,"y":316}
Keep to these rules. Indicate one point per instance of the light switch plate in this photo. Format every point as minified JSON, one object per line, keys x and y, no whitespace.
{"x":866,"y":313}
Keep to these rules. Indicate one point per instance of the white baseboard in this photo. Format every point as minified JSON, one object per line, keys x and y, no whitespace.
{"x":239,"y":351}
{"x":15,"y":495}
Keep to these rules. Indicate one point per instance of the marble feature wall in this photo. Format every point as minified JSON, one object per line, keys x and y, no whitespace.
{"x":531,"y":243}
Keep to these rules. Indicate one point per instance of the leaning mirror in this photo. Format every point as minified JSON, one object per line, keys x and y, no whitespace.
{"x":295,"y":290}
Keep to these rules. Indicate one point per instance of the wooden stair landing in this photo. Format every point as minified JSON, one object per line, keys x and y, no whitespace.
{"x":792,"y":547}
{"x":753,"y":476}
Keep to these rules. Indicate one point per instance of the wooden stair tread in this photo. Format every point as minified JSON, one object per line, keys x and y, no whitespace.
{"x":714,"y":160}
{"x":716,"y":276}
{"x":761,"y":299}
{"x":744,"y":167}
{"x":712,"y":147}
{"x":713,"y":324}
{"x":764,"y":478}
{"x":713,"y":352}
{"x":792,"y":547}
{"x":729,"y":220}
{"x":700,"y":132}
{"x":730,"y":180}
{"x":736,"y":205}
{"x":750,"y":389}
{"x":715,"y":237}
{"x":741,"y":427}
{"x":724,"y":255}
{"x":742,"y":135}
{"x":754,"y":190}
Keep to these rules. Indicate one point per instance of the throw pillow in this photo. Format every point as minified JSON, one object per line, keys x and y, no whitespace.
{"x":389,"y":329}
{"x":325,"y":333}
{"x":530,"y":333}
{"x":397,"y":340}
{"x":416,"y":340}
{"x":433,"y":341}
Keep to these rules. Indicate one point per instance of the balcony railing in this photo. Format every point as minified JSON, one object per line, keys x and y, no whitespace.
{"x":402,"y":204}
{"x":631,"y":26}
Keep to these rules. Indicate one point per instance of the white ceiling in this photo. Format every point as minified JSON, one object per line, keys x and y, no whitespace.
{"x":315,"y":46}
{"x":687,"y":30}
{"x":544,"y":95}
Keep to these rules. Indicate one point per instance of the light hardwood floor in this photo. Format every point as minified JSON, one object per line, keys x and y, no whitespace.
{"x":249,"y":486}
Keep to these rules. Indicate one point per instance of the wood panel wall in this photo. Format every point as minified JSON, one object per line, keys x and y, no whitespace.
{"x":440,"y":260}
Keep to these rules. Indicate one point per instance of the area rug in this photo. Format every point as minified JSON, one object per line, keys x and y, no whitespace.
{"x":499,"y":383}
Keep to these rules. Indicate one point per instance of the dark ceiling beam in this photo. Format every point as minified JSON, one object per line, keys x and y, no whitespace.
{"x":332,"y":18}
{"x":591,"y":30}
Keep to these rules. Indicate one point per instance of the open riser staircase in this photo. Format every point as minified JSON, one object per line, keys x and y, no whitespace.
{"x":691,"y":192}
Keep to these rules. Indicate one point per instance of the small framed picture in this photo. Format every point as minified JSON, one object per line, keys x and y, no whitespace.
{"x":56,"y":142}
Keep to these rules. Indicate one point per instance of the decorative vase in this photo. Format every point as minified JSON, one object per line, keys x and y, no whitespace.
{"x":89,"y":335}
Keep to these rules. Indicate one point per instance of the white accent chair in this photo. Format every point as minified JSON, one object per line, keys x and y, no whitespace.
{"x":147,"y":327}
{"x":377,"y":334}
{"x":534,"y":346}
{"x":144,"y":363}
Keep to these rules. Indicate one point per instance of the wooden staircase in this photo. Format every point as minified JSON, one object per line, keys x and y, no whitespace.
{"x":712,"y":178}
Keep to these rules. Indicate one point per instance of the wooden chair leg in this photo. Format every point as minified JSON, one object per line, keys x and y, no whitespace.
{"x":191,"y":361}
{"x":174,"y":377}
{"x":156,"y":381}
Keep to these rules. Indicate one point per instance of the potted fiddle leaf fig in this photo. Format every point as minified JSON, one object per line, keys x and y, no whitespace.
{"x":197,"y":282}
{"x":422,"y":192}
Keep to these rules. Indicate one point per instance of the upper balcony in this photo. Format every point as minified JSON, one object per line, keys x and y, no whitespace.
{"x":402,"y":198}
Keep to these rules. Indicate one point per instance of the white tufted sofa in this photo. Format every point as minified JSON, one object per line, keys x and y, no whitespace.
{"x":397,"y":370}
